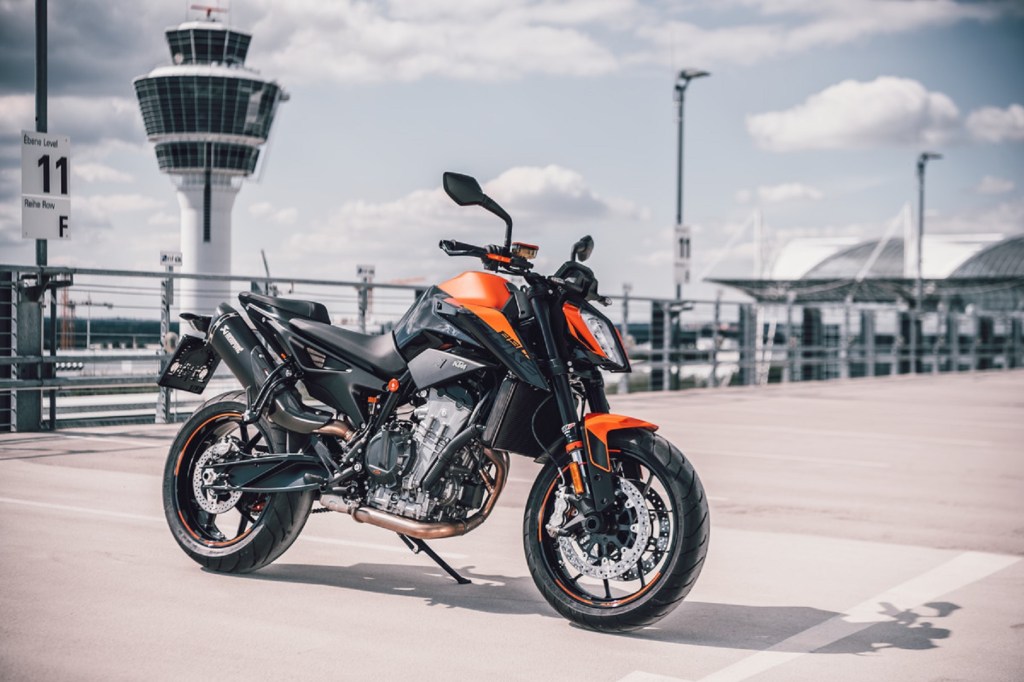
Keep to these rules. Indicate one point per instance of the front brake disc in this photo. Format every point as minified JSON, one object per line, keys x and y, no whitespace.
{"x":608,"y":555}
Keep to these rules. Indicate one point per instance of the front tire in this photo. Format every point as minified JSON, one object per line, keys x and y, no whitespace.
{"x":645,"y":558}
{"x":227,"y":532}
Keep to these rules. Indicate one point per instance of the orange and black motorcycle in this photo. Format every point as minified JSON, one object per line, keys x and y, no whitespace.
{"x":415,"y":427}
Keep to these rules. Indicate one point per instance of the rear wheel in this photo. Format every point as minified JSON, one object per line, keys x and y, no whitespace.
{"x":227,"y":532}
{"x":633,"y":565}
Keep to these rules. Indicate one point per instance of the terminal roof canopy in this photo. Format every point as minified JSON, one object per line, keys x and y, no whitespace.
{"x":959,"y":270}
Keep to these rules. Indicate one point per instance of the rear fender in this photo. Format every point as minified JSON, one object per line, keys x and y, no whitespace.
{"x":597,"y":426}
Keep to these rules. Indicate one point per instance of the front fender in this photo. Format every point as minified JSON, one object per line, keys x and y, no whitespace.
{"x":597,"y":427}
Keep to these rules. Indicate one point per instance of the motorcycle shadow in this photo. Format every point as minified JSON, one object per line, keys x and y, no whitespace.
{"x":729,"y":626}
{"x":498,"y":594}
{"x":736,"y":626}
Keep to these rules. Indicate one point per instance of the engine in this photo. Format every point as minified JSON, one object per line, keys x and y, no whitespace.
{"x":404,"y":452}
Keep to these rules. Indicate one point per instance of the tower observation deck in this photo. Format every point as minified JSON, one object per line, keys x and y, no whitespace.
{"x":208,"y":115}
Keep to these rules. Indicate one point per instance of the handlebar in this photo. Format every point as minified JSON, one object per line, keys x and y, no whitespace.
{"x":493,"y":257}
{"x":457,"y":248}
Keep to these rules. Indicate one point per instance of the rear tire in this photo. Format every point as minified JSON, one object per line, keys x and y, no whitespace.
{"x":228,"y":533}
{"x":649,"y":553}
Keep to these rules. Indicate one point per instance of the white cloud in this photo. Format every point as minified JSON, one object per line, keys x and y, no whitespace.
{"x":553,"y":192}
{"x":88,"y":121}
{"x":777,"y":194}
{"x":98,"y":209}
{"x":744,"y":196}
{"x":852,"y":114}
{"x":283,"y":216}
{"x":98,"y":172}
{"x":544,"y":202}
{"x":1006,"y":218}
{"x":309,"y":41}
{"x":990,"y":184}
{"x":795,"y":26}
{"x":992,"y":124}
{"x":163,"y":218}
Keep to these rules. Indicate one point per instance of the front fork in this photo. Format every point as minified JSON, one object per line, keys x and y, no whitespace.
{"x":592,"y":487}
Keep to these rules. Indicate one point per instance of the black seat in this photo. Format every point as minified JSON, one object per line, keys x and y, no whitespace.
{"x":378,"y":354}
{"x":309,"y":309}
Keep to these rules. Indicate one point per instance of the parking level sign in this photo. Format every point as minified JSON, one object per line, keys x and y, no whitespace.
{"x":45,"y":191}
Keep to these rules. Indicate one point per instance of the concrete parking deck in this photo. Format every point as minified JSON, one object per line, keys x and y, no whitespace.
{"x":866,"y":529}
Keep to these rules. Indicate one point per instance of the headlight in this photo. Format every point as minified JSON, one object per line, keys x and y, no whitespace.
{"x":604,"y":334}
{"x":597,"y":335}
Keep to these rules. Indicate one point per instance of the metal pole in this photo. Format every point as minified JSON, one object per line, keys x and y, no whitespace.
{"x":787,"y":368}
{"x":918,"y":281}
{"x":41,"y":88}
{"x":681,"y":90}
{"x":713,"y":378}
{"x":163,"y":407}
{"x":51,"y":371}
{"x":682,"y":81}
{"x":667,"y":356}
{"x":626,"y":289}
{"x":844,"y":341}
{"x":922,"y":161}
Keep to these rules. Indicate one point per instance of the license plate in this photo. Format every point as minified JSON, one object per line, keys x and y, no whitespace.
{"x":191,"y":366}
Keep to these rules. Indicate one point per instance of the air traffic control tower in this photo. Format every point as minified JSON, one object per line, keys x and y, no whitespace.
{"x":208,"y":116}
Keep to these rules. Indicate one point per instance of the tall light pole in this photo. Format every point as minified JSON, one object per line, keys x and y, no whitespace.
{"x":682,"y":234}
{"x":922,"y":161}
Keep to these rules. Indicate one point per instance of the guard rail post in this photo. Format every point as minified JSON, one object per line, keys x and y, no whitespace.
{"x":29,"y":403}
{"x":163,"y":402}
{"x":715,"y":323}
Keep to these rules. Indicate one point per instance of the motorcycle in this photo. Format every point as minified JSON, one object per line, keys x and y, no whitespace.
{"x":419,"y":426}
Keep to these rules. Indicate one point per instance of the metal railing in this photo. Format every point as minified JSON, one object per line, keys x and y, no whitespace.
{"x":103,"y":368}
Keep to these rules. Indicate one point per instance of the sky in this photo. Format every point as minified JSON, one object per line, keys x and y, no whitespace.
{"x":814,"y":114}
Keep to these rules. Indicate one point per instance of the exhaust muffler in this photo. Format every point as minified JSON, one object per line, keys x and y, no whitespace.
{"x":250,"y":362}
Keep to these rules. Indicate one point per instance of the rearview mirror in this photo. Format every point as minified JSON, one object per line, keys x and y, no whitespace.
{"x":463,"y":189}
{"x":582,"y":249}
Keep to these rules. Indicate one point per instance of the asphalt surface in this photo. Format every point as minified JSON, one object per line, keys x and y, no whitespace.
{"x":867,"y":529}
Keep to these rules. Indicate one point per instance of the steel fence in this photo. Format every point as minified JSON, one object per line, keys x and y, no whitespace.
{"x":63,"y":363}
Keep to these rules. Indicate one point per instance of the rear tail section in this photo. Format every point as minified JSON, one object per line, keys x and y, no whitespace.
{"x":229,"y":338}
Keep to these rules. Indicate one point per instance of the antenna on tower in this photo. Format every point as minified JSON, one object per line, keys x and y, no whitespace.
{"x":209,"y":9}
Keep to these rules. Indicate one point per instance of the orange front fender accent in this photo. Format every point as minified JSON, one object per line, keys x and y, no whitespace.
{"x":599,"y":425}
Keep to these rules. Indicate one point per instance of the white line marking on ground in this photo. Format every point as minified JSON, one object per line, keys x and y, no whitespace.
{"x":81,"y":510}
{"x":640,"y":676}
{"x":794,"y":458}
{"x":136,"y":443}
{"x":157,"y":519}
{"x":959,"y":572}
{"x":806,"y":433}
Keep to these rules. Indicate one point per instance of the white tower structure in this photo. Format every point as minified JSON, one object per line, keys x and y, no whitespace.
{"x":208,"y":116}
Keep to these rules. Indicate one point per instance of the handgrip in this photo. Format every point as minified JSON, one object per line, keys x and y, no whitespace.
{"x":456,"y":248}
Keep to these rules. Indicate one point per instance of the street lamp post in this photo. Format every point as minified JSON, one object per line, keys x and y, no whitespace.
{"x":922,"y":161}
{"x":682,"y":245}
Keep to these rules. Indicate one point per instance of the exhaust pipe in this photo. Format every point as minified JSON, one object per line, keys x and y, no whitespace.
{"x":249,"y":361}
{"x":425,"y":530}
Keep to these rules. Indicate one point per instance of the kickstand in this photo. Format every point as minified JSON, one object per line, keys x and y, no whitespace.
{"x":417,"y":546}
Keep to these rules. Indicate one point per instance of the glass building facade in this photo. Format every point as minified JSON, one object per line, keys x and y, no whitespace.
{"x":207,"y":45}
{"x":207,"y":112}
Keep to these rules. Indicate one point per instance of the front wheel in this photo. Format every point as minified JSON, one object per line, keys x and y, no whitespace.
{"x":229,"y":532}
{"x":631,"y":567}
